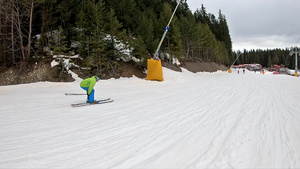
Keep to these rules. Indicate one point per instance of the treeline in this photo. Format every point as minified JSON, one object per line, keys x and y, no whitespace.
{"x":31,"y":29}
{"x":266,"y":57}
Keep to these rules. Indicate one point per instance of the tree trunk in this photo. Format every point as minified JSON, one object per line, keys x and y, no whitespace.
{"x":12,"y":33}
{"x":19,"y":30}
{"x":30,"y":30}
{"x":187,"y":49}
{"x":2,"y":32}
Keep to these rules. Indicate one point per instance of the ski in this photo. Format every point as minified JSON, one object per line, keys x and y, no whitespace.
{"x":67,"y":94}
{"x":98,"y":102}
{"x":103,"y":100}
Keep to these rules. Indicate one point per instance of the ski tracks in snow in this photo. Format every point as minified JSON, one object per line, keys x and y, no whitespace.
{"x":203,"y":120}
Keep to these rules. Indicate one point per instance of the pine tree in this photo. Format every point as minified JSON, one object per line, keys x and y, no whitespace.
{"x":209,"y":43}
{"x":175,"y":46}
{"x":83,"y":32}
{"x":139,"y":48}
{"x":48,"y":11}
{"x":126,"y":13}
{"x":270,"y":63}
{"x":60,"y":44}
{"x":112,"y":27}
{"x":190,"y":37}
{"x":224,"y":34}
{"x":201,"y":16}
{"x":145,"y":30}
{"x":98,"y":55}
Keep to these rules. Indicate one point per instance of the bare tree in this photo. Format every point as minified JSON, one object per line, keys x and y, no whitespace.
{"x":30,"y":28}
{"x":23,"y":13}
{"x":19,"y":14}
{"x":7,"y":31}
{"x":2,"y":48}
{"x":12,"y":33}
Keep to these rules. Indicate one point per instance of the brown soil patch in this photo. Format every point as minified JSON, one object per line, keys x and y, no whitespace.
{"x":29,"y":73}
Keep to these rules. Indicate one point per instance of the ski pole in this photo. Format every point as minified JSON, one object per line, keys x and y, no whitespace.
{"x":74,"y":94}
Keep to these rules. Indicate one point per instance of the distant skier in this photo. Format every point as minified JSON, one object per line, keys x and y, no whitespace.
{"x":88,"y":85}
{"x":243,"y":71}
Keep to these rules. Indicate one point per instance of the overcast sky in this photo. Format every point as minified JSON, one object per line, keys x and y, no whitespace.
{"x":257,"y":24}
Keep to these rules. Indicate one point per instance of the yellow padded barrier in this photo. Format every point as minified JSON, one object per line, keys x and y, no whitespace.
{"x":154,"y":70}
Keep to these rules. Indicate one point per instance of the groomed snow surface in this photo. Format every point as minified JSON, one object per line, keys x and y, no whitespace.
{"x":202,"y":120}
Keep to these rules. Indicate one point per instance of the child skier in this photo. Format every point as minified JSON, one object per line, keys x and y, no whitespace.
{"x":88,"y":85}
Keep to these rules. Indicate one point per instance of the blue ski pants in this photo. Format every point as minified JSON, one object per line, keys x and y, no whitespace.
{"x":90,"y":97}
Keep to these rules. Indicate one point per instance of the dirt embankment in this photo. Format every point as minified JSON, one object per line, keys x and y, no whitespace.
{"x":197,"y":66}
{"x":33,"y":72}
{"x":30,"y":72}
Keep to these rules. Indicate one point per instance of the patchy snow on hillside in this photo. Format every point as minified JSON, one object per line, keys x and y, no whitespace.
{"x":190,"y":120}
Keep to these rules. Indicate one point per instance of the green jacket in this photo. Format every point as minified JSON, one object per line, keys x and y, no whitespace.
{"x":90,"y":83}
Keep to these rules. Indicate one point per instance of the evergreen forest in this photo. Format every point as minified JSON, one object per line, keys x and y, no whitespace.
{"x":35,"y":30}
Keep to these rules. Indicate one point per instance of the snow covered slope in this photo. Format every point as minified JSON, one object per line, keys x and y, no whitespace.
{"x":202,"y":120}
